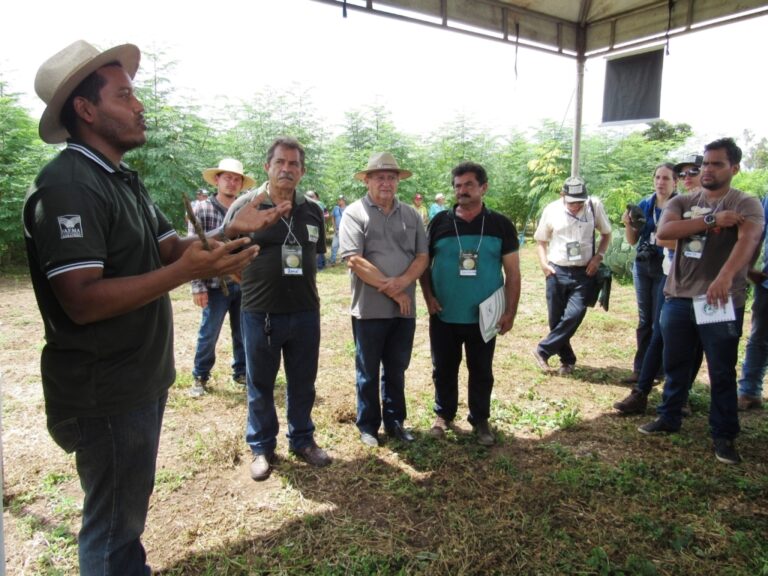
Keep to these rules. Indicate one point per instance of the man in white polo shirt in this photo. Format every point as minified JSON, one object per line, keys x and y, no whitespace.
{"x":569,"y":258}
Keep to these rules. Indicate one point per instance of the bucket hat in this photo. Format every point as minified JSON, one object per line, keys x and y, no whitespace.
{"x":383,"y":161}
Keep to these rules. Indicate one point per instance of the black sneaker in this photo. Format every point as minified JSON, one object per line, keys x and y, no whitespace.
{"x":658,"y":426}
{"x":725,"y":451}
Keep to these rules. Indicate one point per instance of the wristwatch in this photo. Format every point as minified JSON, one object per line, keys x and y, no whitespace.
{"x":710,"y":220}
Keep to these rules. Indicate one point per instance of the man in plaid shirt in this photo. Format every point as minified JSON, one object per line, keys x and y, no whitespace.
{"x":229,"y":180}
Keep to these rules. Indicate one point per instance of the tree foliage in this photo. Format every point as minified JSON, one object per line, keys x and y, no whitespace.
{"x":526,"y":170}
{"x":22,"y":154}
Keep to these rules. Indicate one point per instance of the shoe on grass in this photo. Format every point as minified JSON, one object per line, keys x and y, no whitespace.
{"x":541,"y":362}
{"x":484,"y":435}
{"x":369,"y":439}
{"x":313,"y":455}
{"x":747,"y":402}
{"x":725,"y":451}
{"x":440,"y":427}
{"x":635,"y":403}
{"x":658,"y":426}
{"x":261,"y":467}
{"x":399,"y":432}
{"x":566,"y":369}
{"x":239,"y":380}
{"x":198,"y":388}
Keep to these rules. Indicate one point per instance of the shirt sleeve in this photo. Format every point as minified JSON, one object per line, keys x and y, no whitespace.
{"x":69,"y":226}
{"x":352,"y":232}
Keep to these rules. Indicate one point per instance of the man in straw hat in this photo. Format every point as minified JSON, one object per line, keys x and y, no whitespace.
{"x":102,"y":258}
{"x":229,"y":179}
{"x":385,"y":246}
{"x":281,"y":312}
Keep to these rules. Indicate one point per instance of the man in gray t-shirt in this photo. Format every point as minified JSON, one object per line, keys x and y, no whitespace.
{"x":385,"y":247}
{"x":717,"y":232}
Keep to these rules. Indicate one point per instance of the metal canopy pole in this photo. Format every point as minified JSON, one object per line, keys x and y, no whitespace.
{"x":581,"y":58}
{"x":576,"y":152}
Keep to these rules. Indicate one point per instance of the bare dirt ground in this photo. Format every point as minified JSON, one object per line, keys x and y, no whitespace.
{"x":205,"y":504}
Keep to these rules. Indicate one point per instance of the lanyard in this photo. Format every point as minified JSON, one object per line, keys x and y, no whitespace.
{"x":716,"y":209}
{"x":458,"y":239}
{"x":290,"y":232}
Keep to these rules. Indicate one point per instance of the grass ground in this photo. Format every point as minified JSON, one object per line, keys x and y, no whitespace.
{"x":570,"y":488}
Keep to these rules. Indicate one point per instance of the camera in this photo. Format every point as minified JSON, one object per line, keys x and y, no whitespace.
{"x":646,"y":252}
{"x":636,"y":216}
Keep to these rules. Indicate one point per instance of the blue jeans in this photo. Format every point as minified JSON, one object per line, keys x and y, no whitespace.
{"x":296,"y":338}
{"x":334,"y":248}
{"x":721,"y":343}
{"x":382,"y":346}
{"x":649,"y":287}
{"x":115,"y":458}
{"x":446,"y":341}
{"x":653,"y":361}
{"x":210,"y":328}
{"x":567,"y":292}
{"x":756,"y":359}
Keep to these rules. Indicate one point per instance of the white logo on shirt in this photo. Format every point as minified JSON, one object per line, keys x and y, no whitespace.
{"x":70,"y":226}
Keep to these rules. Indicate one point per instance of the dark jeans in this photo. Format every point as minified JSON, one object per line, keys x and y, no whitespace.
{"x":756,"y":360}
{"x":115,"y":458}
{"x":446,"y":341}
{"x":652,"y":363}
{"x":567,"y":291}
{"x":295,"y":336}
{"x":649,"y":290}
{"x":210,"y":328}
{"x":720,"y":342}
{"x":382,"y":346}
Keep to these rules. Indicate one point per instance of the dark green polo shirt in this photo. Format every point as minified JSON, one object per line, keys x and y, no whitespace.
{"x":264,"y":287}
{"x":83,"y":212}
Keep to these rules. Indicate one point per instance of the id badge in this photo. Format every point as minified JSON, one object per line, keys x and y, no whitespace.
{"x":313,"y":232}
{"x":693,"y":247}
{"x":291,"y":260}
{"x":652,"y":239}
{"x":573,"y":251}
{"x":468,"y":264}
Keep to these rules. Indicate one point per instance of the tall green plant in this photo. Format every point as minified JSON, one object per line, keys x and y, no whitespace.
{"x":22,"y":154}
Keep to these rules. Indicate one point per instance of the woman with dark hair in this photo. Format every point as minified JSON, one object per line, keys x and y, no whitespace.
{"x":647,"y":273}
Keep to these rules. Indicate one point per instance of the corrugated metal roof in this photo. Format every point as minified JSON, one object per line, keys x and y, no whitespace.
{"x":567,"y":27}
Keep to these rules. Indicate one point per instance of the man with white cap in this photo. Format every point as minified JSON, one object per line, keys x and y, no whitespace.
{"x":385,"y":246}
{"x":569,"y":258}
{"x":102,"y":258}
{"x":229,"y":179}
{"x":437,"y":206}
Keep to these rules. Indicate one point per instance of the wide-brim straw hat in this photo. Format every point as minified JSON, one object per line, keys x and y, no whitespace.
{"x":229,"y":165}
{"x":62,"y":72}
{"x":383,"y":161}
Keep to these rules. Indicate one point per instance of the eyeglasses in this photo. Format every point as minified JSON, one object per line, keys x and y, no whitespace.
{"x":689,"y":172}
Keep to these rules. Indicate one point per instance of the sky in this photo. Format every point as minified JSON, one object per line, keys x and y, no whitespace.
{"x":231,"y":49}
